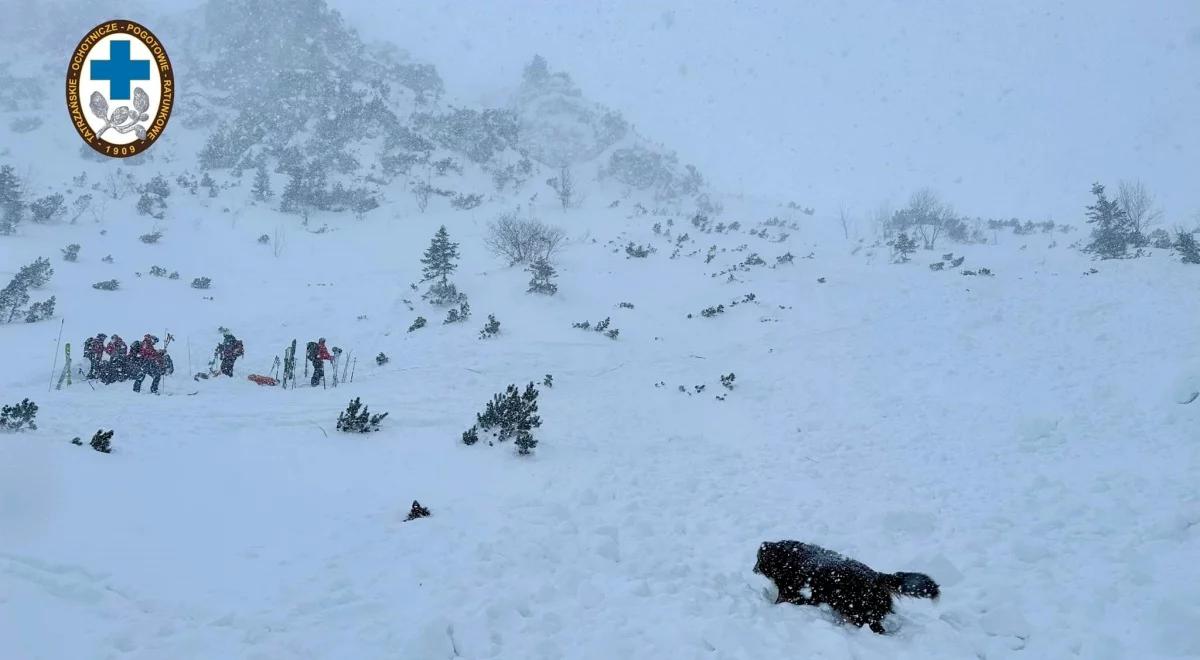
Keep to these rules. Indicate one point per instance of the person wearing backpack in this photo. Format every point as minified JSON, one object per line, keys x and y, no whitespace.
{"x":148,"y":361}
{"x":118,"y":361}
{"x":317,"y":354}
{"x":93,"y":350}
{"x":229,"y":350}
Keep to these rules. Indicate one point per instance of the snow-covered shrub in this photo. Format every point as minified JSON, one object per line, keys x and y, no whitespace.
{"x":48,"y":209}
{"x":15,"y":295}
{"x":158,"y":271}
{"x":509,"y":415}
{"x":151,"y":238}
{"x":753,"y":260}
{"x":644,"y":169}
{"x":464,"y":202}
{"x":785,"y":258}
{"x":71,"y":252}
{"x":107,"y":259}
{"x":458,"y":314}
{"x":15,"y":417}
{"x":40,"y":311}
{"x":709,"y":312}
{"x":522,"y":241}
{"x":625,"y":305}
{"x":102,"y":441}
{"x":264,"y":239}
{"x":548,"y":381}
{"x":638,"y":251}
{"x":357,"y":419}
{"x":1160,"y":239}
{"x":727,"y":380}
{"x":542,"y":280}
{"x":471,"y":435}
{"x":382,"y":359}
{"x":490,"y":329}
{"x":1185,"y":245}
{"x":107,"y":285}
{"x":202,"y":283}
{"x":417,"y":324}
{"x":37,"y":274}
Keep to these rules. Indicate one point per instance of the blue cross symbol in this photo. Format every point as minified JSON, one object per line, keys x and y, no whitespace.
{"x":119,"y":70}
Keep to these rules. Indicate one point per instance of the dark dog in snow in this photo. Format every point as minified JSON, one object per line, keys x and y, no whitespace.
{"x":811,"y":575}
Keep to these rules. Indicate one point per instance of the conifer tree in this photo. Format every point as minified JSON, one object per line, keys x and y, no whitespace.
{"x":1185,"y":245}
{"x":541,"y":282}
{"x":262,"y":185}
{"x":903,"y":247}
{"x":1113,"y":230}
{"x":439,"y":258}
{"x":11,"y":200}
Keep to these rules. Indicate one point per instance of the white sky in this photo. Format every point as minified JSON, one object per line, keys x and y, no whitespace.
{"x":1006,"y":108}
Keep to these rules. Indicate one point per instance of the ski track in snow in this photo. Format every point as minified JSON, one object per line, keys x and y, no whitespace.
{"x":1017,"y":437}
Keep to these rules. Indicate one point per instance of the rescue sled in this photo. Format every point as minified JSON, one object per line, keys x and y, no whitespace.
{"x":263,"y":380}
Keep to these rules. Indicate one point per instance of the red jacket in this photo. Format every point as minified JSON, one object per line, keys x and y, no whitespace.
{"x":149,"y":353}
{"x":116,"y":347}
{"x":323,"y":353}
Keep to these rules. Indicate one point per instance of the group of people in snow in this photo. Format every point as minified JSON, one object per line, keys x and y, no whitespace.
{"x":111,"y":361}
{"x":142,"y":358}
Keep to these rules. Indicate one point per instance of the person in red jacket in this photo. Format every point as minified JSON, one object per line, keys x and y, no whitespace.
{"x":118,"y":361}
{"x":148,"y":361}
{"x":317,"y":354}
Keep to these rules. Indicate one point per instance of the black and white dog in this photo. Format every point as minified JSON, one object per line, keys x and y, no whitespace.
{"x":811,"y":575}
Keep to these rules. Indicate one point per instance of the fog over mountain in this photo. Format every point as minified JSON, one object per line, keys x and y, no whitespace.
{"x":1006,"y":108}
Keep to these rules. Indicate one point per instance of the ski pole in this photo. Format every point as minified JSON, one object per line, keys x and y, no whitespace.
{"x":54,"y":366}
{"x":189,"y":349}
{"x":352,"y":370}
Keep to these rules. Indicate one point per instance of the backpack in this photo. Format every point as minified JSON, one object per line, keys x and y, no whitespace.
{"x":311,"y":350}
{"x":135,"y":349}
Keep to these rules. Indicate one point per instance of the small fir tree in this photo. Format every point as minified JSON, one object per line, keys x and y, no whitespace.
{"x":1112,"y":229}
{"x":490,"y":329}
{"x":12,"y":200}
{"x":903,"y":247}
{"x":439,"y":259}
{"x":262,"y":185}
{"x":543,"y":274}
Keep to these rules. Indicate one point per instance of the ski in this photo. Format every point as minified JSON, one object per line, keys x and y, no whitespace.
{"x":66,"y":372}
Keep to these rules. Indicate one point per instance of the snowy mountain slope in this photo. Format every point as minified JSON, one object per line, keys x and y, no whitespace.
{"x":1017,"y":437}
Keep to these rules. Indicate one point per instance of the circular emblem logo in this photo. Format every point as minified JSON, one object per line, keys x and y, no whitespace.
{"x":120,"y":88}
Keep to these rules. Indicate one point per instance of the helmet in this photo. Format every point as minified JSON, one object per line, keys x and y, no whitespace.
{"x":321,"y":340}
